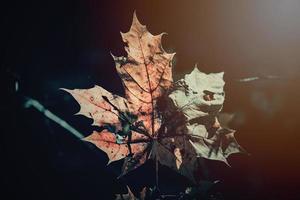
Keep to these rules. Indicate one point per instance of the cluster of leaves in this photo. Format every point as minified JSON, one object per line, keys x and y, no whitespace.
{"x":202,"y":191}
{"x":174,"y":123}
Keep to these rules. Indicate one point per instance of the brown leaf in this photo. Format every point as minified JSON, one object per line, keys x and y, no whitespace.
{"x":138,"y":128}
{"x":146,"y":74}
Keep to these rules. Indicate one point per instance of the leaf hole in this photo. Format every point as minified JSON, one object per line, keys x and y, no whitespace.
{"x":209,"y":96}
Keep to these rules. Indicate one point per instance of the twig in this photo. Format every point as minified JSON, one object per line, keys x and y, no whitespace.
{"x":250,"y":79}
{"x":38,"y":106}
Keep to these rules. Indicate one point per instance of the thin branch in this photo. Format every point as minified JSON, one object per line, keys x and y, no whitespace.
{"x":38,"y":106}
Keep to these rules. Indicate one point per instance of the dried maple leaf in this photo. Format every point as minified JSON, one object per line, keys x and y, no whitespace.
{"x":137,"y":128}
{"x":146,"y":74}
{"x":200,"y":97}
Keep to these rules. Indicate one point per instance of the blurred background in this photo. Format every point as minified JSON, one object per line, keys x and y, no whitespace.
{"x":47,"y":45}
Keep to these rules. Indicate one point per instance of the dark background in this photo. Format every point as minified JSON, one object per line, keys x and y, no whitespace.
{"x":47,"y":45}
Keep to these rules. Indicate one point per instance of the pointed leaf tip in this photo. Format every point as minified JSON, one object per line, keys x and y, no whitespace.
{"x":112,"y":55}
{"x":196,"y":69}
{"x":136,"y":21}
{"x":220,"y":74}
{"x":66,"y":90}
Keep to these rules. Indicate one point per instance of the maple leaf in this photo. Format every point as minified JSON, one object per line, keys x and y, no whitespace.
{"x":200,"y":97}
{"x":146,"y":74}
{"x":138,"y":128}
